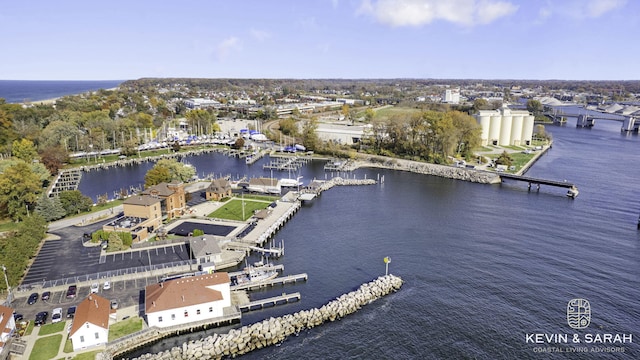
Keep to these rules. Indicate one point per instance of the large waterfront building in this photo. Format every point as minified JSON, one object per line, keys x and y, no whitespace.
{"x":185,"y":300}
{"x":505,"y":127}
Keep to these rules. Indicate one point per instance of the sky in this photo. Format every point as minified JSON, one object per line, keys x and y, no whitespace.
{"x":315,"y":39}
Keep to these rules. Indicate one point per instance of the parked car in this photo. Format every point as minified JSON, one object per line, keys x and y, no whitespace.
{"x":94,"y":288}
{"x":114,"y":304}
{"x":46,"y":295}
{"x":18,"y":317}
{"x":56,"y":315}
{"x":33,"y":298}
{"x":41,"y":318}
{"x":71,"y":291}
{"x":71,"y":311}
{"x":106,"y":286}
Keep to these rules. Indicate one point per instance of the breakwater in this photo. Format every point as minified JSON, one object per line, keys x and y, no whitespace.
{"x":450,"y":172}
{"x":275,"y":330}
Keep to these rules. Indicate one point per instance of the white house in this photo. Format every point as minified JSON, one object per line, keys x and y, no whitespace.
{"x":7,"y":325}
{"x":91,"y":322}
{"x":186,"y":300}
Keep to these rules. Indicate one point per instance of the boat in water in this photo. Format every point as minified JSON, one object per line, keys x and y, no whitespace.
{"x":573,"y":192}
{"x":256,"y":274}
{"x":289,"y":182}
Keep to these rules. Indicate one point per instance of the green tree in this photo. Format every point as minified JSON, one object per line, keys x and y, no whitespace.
{"x":115,"y":242}
{"x":19,"y":190}
{"x":369,"y":114}
{"x":504,"y":159}
{"x":197,"y":232}
{"x":24,"y":149}
{"x":310,"y":137}
{"x":535,"y":107}
{"x":288,"y":127}
{"x":74,"y":202}
{"x":167,"y":170}
{"x":50,"y":208}
{"x":480,"y":104}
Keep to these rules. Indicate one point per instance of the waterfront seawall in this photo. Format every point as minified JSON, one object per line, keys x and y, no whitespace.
{"x":275,"y":330}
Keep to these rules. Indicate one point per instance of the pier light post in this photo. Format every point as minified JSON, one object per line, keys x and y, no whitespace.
{"x":386,"y":260}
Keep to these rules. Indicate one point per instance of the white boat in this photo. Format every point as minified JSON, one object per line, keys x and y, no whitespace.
{"x":573,"y":192}
{"x":255,"y":275}
{"x":288,"y":182}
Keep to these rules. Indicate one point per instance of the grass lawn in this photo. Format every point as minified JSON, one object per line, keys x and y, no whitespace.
{"x":125,"y":327}
{"x":87,"y":355}
{"x":52,"y":328}
{"x":29,"y":328}
{"x":68,"y":346}
{"x":47,"y":347}
{"x":232,"y":210}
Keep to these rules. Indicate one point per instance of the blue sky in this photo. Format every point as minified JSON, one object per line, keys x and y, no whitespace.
{"x":443,"y":39}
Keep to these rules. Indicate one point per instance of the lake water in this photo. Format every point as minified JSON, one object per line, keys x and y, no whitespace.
{"x":484,"y":265}
{"x":16,"y":91}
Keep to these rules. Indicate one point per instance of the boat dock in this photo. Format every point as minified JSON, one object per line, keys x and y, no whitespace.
{"x":272,"y":301}
{"x":277,"y":281}
{"x":65,"y":181}
{"x":252,"y":158}
{"x":286,"y":163}
{"x":279,"y":267}
{"x":274,"y":251}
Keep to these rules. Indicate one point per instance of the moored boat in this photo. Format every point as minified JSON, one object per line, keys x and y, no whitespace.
{"x":573,"y":192}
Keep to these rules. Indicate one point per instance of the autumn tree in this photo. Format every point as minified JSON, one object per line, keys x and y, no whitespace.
{"x":19,"y":190}
{"x":167,"y":170}
{"x":310,"y":138}
{"x":25,"y":150}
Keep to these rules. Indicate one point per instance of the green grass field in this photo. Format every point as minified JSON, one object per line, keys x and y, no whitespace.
{"x":52,"y":328}
{"x":125,"y":327}
{"x":395,"y":111}
{"x":47,"y":348}
{"x":233,"y":209}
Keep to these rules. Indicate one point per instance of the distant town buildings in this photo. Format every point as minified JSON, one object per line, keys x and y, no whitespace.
{"x":505,"y":127}
{"x":451,"y":96}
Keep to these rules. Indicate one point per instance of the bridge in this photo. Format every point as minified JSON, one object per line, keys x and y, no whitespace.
{"x":629,"y":123}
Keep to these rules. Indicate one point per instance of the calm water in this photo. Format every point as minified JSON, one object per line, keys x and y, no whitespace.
{"x":483,"y":265}
{"x":15,"y":91}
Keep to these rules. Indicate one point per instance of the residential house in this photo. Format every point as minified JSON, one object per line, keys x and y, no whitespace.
{"x":206,"y":251}
{"x":185,"y":300}
{"x":90,"y":325}
{"x":7,"y":325}
{"x":218,"y":189}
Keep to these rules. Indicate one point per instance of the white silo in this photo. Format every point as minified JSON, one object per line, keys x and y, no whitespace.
{"x":516,"y":130}
{"x":494,"y":128}
{"x":527,"y":129}
{"x":484,"y":119}
{"x":505,"y":130}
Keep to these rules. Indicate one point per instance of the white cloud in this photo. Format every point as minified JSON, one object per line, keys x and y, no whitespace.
{"x":226,"y":46}
{"x":421,"y":12}
{"x":580,"y":9}
{"x":259,"y":35}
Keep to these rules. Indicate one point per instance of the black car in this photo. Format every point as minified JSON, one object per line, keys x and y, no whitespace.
{"x":71,"y":311}
{"x":33,"y":298}
{"x":18,"y":317}
{"x":46,"y":295}
{"x":71,"y":291}
{"x":41,"y":318}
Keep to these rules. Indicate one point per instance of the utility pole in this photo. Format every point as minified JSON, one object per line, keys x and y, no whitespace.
{"x":4,"y":269}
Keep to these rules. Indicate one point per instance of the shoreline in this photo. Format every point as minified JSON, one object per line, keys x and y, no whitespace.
{"x":52,"y":101}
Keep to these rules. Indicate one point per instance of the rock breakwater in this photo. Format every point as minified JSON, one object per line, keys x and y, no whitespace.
{"x":275,"y":330}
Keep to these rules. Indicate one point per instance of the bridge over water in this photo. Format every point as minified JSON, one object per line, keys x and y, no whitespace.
{"x":629,"y":123}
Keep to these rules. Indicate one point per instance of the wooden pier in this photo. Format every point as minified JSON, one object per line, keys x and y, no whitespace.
{"x":279,"y":267}
{"x":277,"y":281}
{"x":272,"y":301}
{"x":572,"y":189}
{"x":67,"y":180}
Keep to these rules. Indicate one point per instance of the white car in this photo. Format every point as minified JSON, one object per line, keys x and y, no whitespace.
{"x":56,"y":315}
{"x":106,"y":286}
{"x":95,"y":287}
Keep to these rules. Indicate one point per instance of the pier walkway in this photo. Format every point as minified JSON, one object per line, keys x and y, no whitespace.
{"x":277,"y":281}
{"x":272,"y":301}
{"x":530,"y":180}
